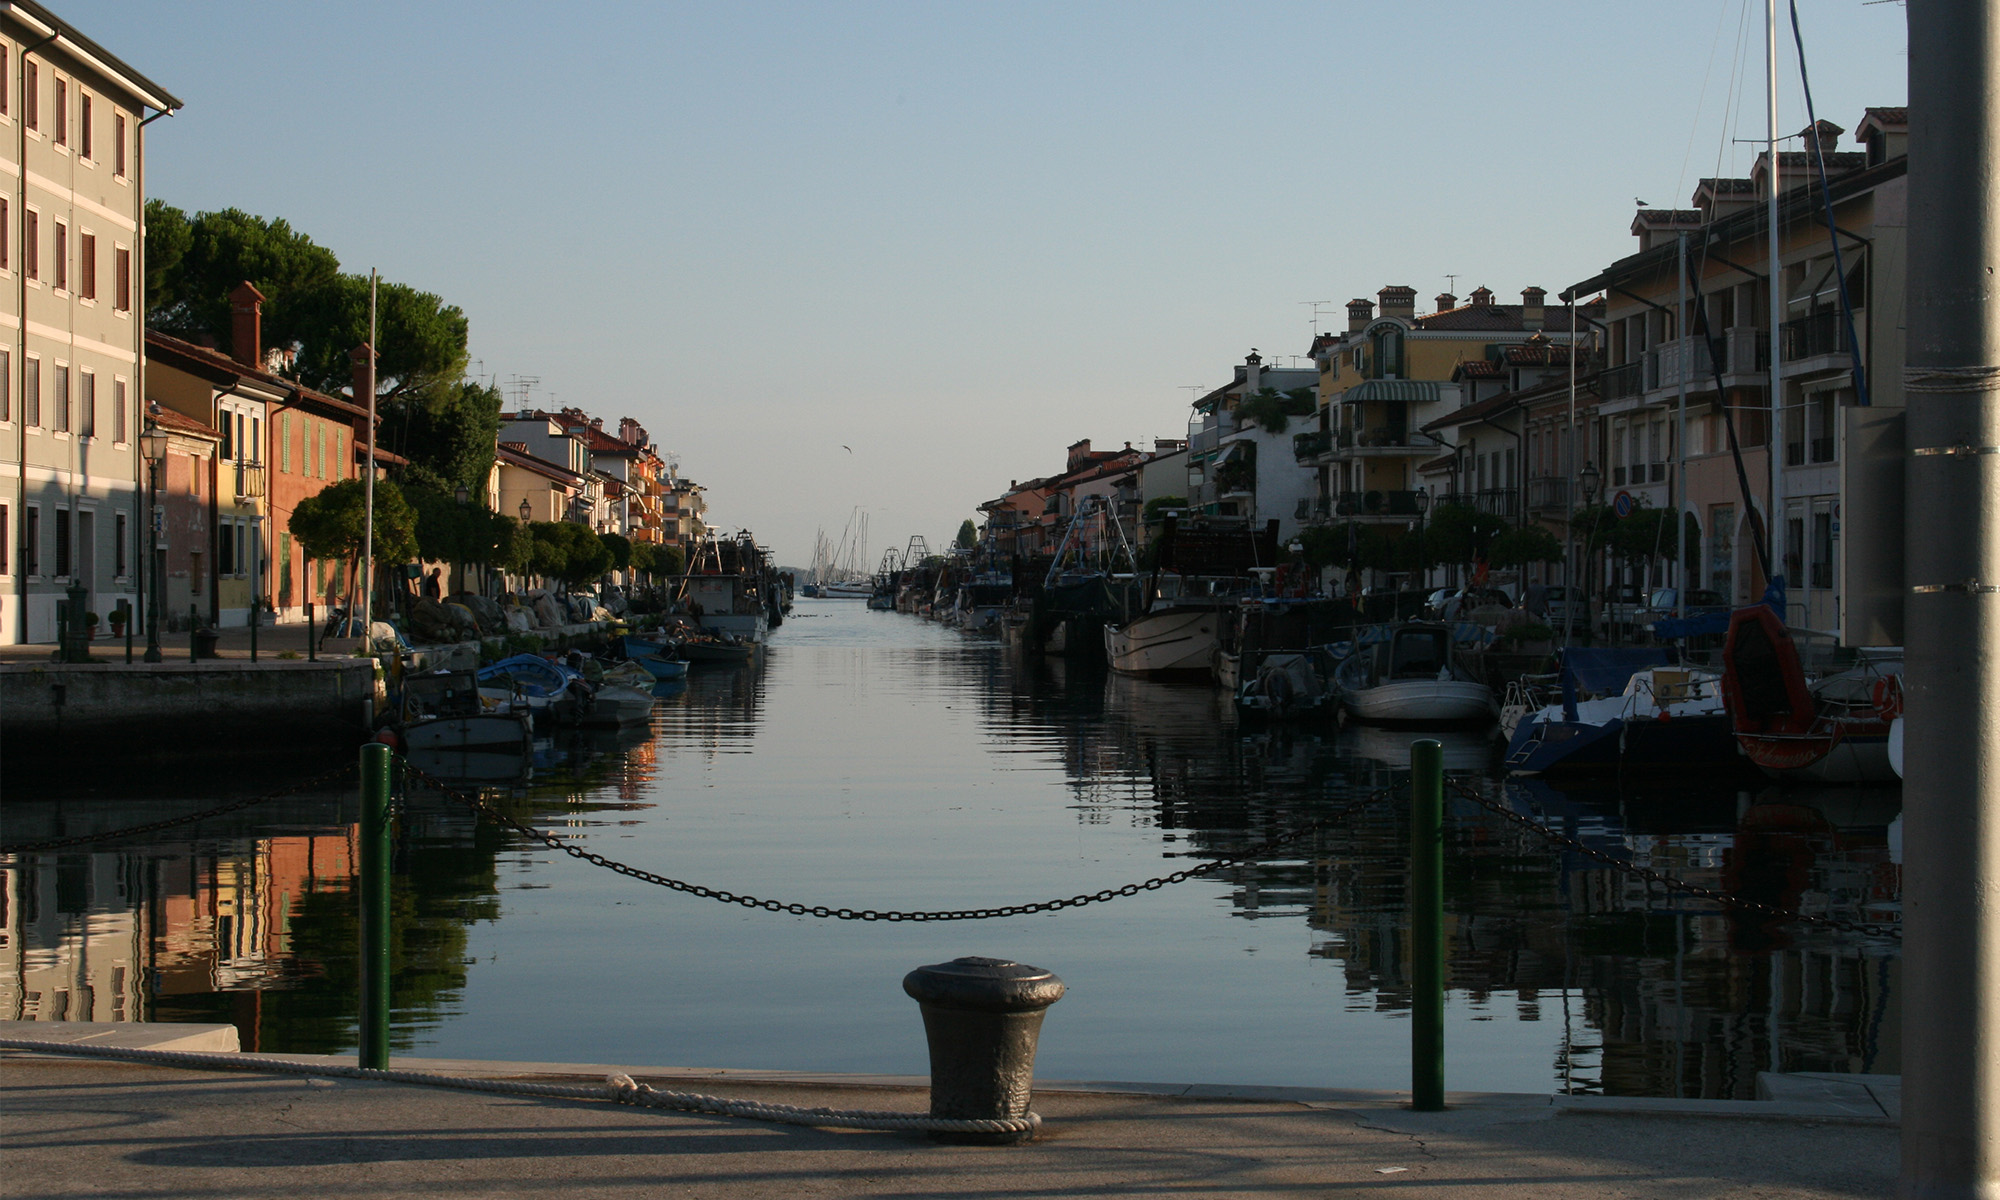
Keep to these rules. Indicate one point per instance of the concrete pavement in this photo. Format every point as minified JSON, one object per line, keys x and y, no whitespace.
{"x":90,"y":1128}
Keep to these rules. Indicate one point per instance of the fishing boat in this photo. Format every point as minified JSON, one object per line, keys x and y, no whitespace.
{"x":1415,"y":676}
{"x":656,"y":656}
{"x":530,"y":682}
{"x":731,"y":588}
{"x":444,"y":710}
{"x":1289,"y":684}
{"x":1626,"y":709}
{"x":1832,"y":730}
{"x":1177,"y":639}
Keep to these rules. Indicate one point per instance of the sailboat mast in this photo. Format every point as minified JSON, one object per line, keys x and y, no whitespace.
{"x":1774,"y":276}
{"x":1685,"y":574}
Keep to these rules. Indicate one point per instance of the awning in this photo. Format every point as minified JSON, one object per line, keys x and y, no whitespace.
{"x":1400,"y":391}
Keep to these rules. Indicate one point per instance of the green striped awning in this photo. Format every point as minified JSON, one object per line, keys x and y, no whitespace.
{"x":1403,"y":391}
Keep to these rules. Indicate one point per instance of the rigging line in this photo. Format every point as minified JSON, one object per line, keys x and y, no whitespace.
{"x":1826,"y":199}
{"x":1701,"y":97}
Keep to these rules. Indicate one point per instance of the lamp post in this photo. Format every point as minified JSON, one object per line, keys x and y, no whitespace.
{"x":527,"y":511}
{"x":153,"y":446}
{"x":1423,"y":499}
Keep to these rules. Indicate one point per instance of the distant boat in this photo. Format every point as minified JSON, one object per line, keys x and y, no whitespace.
{"x":1414,"y":677}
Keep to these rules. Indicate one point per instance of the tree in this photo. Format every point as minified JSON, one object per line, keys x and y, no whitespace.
{"x":447,"y":434}
{"x":1645,"y":533}
{"x":1350,"y":546}
{"x":1524,"y":544}
{"x":1461,"y":533}
{"x":968,"y":535}
{"x":619,"y":547}
{"x":1158,"y":506}
{"x":566,"y":551}
{"x":192,"y":264}
{"x":332,"y":523}
{"x":1272,"y":410}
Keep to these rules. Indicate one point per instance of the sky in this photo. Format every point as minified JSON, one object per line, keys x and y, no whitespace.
{"x":887,"y":258}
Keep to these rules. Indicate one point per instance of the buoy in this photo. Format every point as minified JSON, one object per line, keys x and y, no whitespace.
{"x":388,"y":738}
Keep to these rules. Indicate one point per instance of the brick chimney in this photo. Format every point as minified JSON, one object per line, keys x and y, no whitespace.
{"x":1446,"y":301}
{"x":246,"y":326}
{"x":1532,"y":310}
{"x":1253,"y":370}
{"x":1482,"y":297}
{"x":1398,"y":301}
{"x":1359,"y":313}
{"x":359,"y":359}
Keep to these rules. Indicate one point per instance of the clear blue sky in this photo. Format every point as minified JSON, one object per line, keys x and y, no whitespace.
{"x":953,"y":237}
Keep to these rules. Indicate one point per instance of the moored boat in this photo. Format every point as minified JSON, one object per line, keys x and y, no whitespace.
{"x":1626,"y":709}
{"x":1415,"y":676}
{"x":1833,"y":730}
{"x":445,"y":711}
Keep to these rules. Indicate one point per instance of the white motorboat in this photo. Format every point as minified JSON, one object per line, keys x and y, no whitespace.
{"x":617,"y":704}
{"x":1414,"y":677}
{"x":444,"y":711}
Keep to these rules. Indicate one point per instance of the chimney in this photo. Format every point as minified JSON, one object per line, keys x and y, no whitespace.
{"x":1398,"y":301}
{"x":1253,"y":370}
{"x":362,"y":371}
{"x":1446,"y":301}
{"x":1359,"y":313}
{"x":246,"y":326}
{"x":1826,"y":133}
{"x":1532,"y":311}
{"x":1482,"y":297}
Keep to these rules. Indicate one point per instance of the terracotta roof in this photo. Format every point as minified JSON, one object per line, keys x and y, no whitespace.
{"x":381,"y":455}
{"x":213,"y":363}
{"x":600,"y":442}
{"x":1441,"y":463}
{"x":1493,"y":318}
{"x":1726,"y":186}
{"x":179,"y":422}
{"x":1479,"y":368}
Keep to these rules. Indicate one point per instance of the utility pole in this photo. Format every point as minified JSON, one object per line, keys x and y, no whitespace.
{"x":1951,"y":809}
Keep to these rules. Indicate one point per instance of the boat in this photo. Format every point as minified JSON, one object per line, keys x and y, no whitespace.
{"x":656,"y":657}
{"x":614,"y":704}
{"x":1414,"y":676}
{"x":1178,"y":640}
{"x":731,"y":588}
{"x":1833,"y":730}
{"x":1289,"y":683}
{"x":444,"y":710}
{"x":529,"y":681}
{"x":1623,"y":709}
{"x":718,"y":651}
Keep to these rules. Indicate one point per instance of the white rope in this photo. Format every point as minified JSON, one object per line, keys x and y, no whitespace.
{"x":1950,"y":380}
{"x":617,"y":1088}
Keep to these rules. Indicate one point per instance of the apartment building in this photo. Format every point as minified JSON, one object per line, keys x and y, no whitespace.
{"x":72,"y":119}
{"x":1837,"y":479}
{"x":1240,"y":465}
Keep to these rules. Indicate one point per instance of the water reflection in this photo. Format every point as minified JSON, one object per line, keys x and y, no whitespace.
{"x":876,"y":760}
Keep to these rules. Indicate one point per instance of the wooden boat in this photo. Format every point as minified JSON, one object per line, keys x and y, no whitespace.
{"x":1835,"y":730}
{"x":658,"y":658}
{"x":444,"y":711}
{"x":1413,"y":677}
{"x":718,"y":652}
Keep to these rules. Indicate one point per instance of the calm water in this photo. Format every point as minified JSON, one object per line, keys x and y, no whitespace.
{"x":878,"y":761}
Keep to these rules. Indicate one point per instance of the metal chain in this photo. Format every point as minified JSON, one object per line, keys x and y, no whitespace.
{"x":1671,"y":882}
{"x":1260,"y":850}
{"x":171,"y":822}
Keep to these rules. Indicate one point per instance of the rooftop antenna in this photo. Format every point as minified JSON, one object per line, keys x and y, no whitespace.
{"x":1451,"y":284}
{"x":1195,"y":390}
{"x":1316,"y":305}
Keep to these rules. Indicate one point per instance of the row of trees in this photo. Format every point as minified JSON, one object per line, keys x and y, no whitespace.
{"x":1458,"y":534}
{"x":420,"y":522}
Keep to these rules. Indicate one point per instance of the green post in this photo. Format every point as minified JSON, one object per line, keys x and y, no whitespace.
{"x":1427,"y":926}
{"x":375,"y":906}
{"x":253,"y":629}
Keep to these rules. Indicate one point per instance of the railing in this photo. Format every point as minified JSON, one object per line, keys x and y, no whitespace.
{"x":1689,"y":359}
{"x":1311,"y":445}
{"x":1382,"y":437}
{"x":1820,"y":333}
{"x":1548,"y":492}
{"x":1749,"y":351}
{"x":1382,"y":503}
{"x":249,"y":480}
{"x":1202,"y":441}
{"x":1500,"y":502}
{"x":1618,"y":382}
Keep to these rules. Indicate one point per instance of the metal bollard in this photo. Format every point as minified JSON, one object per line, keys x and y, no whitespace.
{"x":982,"y":1017}
{"x":376,"y":931}
{"x":1427,"y":926}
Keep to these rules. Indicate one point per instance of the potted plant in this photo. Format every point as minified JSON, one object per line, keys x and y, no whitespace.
{"x":90,"y":625}
{"x":118,"y":618}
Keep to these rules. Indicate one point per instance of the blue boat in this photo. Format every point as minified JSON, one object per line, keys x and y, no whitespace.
{"x":653,"y":656}
{"x":1625,"y":709}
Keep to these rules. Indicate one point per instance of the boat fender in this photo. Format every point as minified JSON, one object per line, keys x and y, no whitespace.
{"x":387,"y":737}
{"x":1887,"y":695}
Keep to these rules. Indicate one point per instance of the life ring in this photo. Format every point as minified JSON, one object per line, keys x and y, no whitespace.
{"x":1887,"y":695}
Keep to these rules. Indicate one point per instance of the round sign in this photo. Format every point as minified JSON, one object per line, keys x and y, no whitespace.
{"x":1622,"y":504}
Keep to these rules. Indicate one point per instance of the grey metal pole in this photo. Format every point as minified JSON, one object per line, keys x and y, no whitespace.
{"x":1684,"y":577}
{"x":1951,"y":1046}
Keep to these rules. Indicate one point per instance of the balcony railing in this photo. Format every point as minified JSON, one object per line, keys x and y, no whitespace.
{"x":1384,"y":503}
{"x":249,"y":480}
{"x":1618,"y":382}
{"x":1380,"y":437}
{"x":1500,"y":502}
{"x":1311,"y":445}
{"x":1749,"y":351}
{"x":1548,"y":492}
{"x":1820,"y":333}
{"x":1688,"y":359}
{"x":1202,"y":441}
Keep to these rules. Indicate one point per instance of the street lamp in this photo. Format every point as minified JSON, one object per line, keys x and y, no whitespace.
{"x":526,"y":510}
{"x":153,"y":446}
{"x":463,"y":494}
{"x":1423,"y":499}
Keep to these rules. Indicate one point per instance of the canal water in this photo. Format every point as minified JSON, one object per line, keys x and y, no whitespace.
{"x":876,"y":761}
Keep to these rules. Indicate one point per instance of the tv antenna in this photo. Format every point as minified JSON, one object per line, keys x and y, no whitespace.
{"x":1451,"y":284}
{"x":1194,"y":391}
{"x":1316,"y":305}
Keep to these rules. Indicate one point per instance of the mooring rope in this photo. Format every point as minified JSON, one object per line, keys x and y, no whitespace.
{"x":619,"y":1089}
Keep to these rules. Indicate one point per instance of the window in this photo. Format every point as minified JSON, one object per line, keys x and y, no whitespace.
{"x":123,"y":261}
{"x":6,"y":236}
{"x":118,"y":145}
{"x":86,"y":396}
{"x":62,"y":257}
{"x":118,"y":412}
{"x":62,"y":111}
{"x":62,"y":543}
{"x":228,"y":437}
{"x":256,"y":446}
{"x":31,"y":389}
{"x":284,"y":566}
{"x":6,"y":78}
{"x":83,"y":123}
{"x":195,"y":573}
{"x":121,"y":565}
{"x":1822,"y":416}
{"x":31,"y":85}
{"x":61,"y":380}
{"x":1822,"y":548}
{"x":31,"y":243}
{"x":31,"y":541}
{"x":225,"y":549}
{"x":4,"y":526}
{"x":6,"y":397}
{"x":86,"y":266}
{"x":285,"y":443}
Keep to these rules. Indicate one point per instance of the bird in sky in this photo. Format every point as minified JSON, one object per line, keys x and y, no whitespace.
{"x":849,"y":449}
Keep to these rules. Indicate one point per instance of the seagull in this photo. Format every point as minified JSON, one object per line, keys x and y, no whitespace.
{"x":1640,"y":203}
{"x":849,"y":449}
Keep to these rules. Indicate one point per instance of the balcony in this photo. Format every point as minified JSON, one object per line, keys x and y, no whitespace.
{"x":1616,"y":383}
{"x":1547,"y":492}
{"x":1308,"y":446}
{"x":1376,"y":504}
{"x":1749,"y":351}
{"x":1500,"y":502}
{"x":249,"y":481}
{"x":1385,"y":441}
{"x":1822,"y":333}
{"x":1690,"y":360}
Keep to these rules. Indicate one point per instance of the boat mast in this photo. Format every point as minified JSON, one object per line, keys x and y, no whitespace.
{"x":1774,"y":276}
{"x":1685,"y":573}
